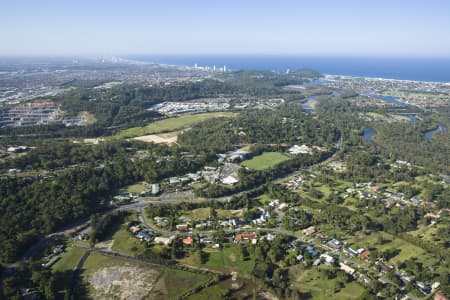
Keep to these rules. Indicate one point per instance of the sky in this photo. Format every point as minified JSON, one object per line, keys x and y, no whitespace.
{"x":313,"y":27}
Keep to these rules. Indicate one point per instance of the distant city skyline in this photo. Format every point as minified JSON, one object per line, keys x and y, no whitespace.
{"x":347,"y":27}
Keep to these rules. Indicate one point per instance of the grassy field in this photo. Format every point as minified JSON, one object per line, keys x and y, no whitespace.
{"x":171,"y":124}
{"x":126,"y":243}
{"x":178,"y":281}
{"x":265,"y":161}
{"x":229,"y":258}
{"x":203,"y":213}
{"x":134,"y":189}
{"x":69,"y":259}
{"x":311,"y":281}
{"x":382,"y":241}
{"x":213,"y":292}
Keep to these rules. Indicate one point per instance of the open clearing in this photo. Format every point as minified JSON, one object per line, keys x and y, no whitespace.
{"x":226,"y":259}
{"x":157,"y":139}
{"x":137,"y":188}
{"x":69,"y":259}
{"x":265,"y":161}
{"x":117,"y":278}
{"x":312,"y":281}
{"x":383,"y":241}
{"x":172,"y":124}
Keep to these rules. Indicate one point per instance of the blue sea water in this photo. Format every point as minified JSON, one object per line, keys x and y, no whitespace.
{"x":435,"y":69}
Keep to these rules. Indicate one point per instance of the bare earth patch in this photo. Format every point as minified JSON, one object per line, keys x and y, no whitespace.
{"x":123,"y":282}
{"x":157,"y":139}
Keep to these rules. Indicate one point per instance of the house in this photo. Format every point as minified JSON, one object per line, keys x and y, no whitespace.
{"x":328,"y":258}
{"x":336,"y":244}
{"x":161,"y":222}
{"x":182,"y":227}
{"x":316,"y":262}
{"x":432,"y":215}
{"x":274,"y":203}
{"x":423,"y":287}
{"x":310,"y":230}
{"x":374,"y":188}
{"x":144,"y":235}
{"x":299,"y":258}
{"x":365,"y":255}
{"x":364,"y":279}
{"x":310,"y":249}
{"x":230,"y":180}
{"x":206,"y":240}
{"x":135,"y":229}
{"x":349,"y":251}
{"x":385,"y":268}
{"x":246,"y":237}
{"x":347,"y":269}
{"x":174,"y":180}
{"x":269,"y":237}
{"x":164,"y":240}
{"x":188,"y":241}
{"x":283,"y":206}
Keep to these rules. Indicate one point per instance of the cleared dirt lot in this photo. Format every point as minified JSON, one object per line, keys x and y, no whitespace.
{"x":128,"y":281}
{"x":157,"y":139}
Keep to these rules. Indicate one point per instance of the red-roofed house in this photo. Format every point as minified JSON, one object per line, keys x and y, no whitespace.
{"x":246,"y":237}
{"x":188,"y":241}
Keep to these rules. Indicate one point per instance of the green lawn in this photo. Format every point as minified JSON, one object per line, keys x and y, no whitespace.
{"x":311,"y":281}
{"x":203,"y":213}
{"x":229,"y":258}
{"x":126,"y":243}
{"x":137,"y":188}
{"x":171,"y":124}
{"x":265,"y":161}
{"x":383,"y":241}
{"x":69,"y":259}
{"x":178,"y":281}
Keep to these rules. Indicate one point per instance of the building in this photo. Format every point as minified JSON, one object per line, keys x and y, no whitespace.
{"x":230,"y":180}
{"x":188,"y":241}
{"x":135,"y":229}
{"x":310,"y":230}
{"x":365,"y":255}
{"x":144,"y":235}
{"x":182,"y":227}
{"x":310,"y":249}
{"x":385,"y":268}
{"x":336,"y":244}
{"x":155,"y":189}
{"x":328,"y":258}
{"x":164,"y":240}
{"x":246,"y":237}
{"x":347,"y":269}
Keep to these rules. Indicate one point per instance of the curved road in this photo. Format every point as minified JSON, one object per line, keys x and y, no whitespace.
{"x":168,"y":198}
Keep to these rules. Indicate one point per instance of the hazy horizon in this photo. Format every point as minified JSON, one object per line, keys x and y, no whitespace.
{"x":322,"y":28}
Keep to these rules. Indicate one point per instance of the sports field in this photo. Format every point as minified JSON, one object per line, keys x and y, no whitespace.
{"x":265,"y":161}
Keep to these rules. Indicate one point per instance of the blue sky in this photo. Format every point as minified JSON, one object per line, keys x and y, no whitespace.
{"x":319,"y":27}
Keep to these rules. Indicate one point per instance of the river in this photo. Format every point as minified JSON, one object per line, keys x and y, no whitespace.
{"x":389,"y":99}
{"x":309,"y":104}
{"x":429,"y":134}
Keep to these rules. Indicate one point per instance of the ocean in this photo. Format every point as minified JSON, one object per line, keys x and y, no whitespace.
{"x":431,"y":69}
